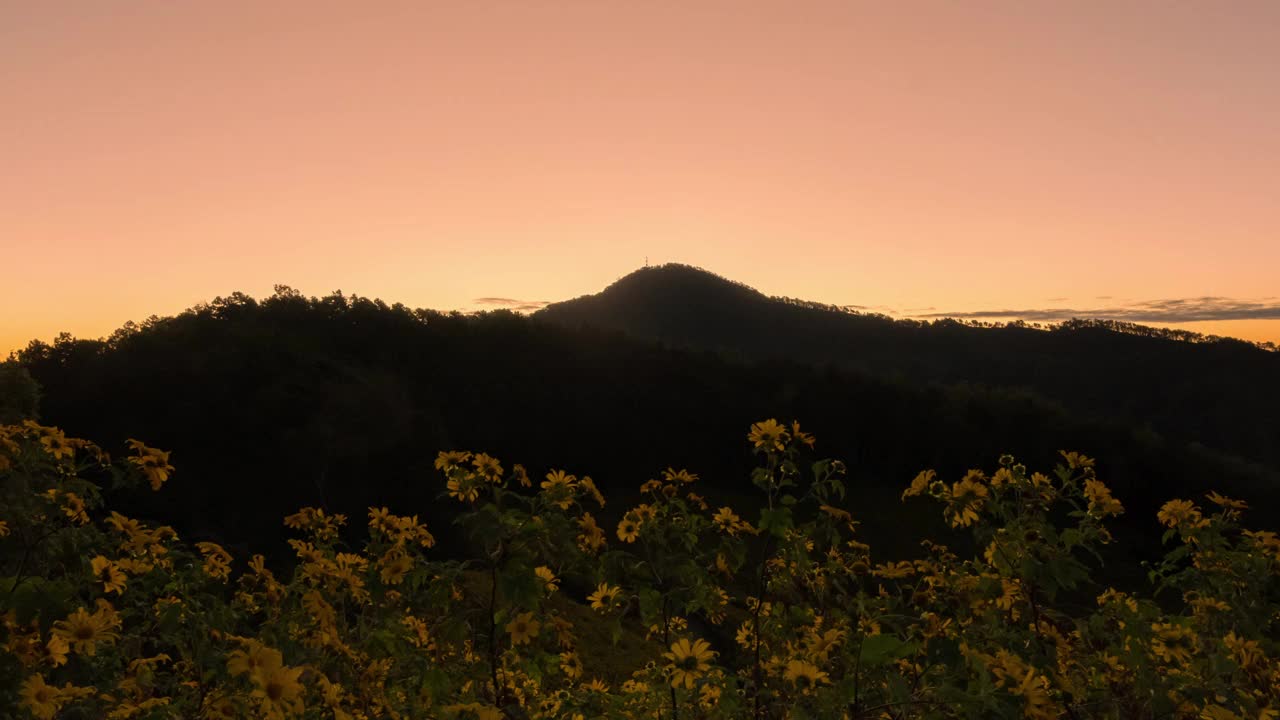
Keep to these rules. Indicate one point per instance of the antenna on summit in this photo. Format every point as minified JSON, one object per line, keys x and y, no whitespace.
{"x":646,"y":261}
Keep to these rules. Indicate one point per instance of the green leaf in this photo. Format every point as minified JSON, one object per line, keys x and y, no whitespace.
{"x":519,"y":585}
{"x":880,"y":649}
{"x":776,"y":522}
{"x":650,"y":605}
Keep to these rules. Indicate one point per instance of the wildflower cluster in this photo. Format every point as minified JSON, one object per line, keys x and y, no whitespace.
{"x":674,"y":606}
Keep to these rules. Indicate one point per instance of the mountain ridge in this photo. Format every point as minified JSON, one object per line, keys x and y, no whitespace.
{"x":651,"y":276}
{"x":1143,"y":376}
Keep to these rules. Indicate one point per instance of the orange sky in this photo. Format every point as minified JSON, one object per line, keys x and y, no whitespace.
{"x":959,"y":156}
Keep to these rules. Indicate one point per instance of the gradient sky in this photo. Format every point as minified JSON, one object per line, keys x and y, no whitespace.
{"x":959,"y":156}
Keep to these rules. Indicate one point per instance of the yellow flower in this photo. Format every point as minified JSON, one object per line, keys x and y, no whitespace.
{"x":920,"y":484}
{"x":465,"y":488}
{"x":1181,"y":514}
{"x":381,"y":520}
{"x":153,"y":463}
{"x":821,"y":644}
{"x":1003,"y":476}
{"x":571,"y":665}
{"x":550,"y":582}
{"x":628,"y":529}
{"x":1076,"y":461}
{"x":559,"y":487}
{"x":448,"y":460}
{"x":836,"y":513}
{"x":1172,"y":643}
{"x":72,"y":505}
{"x":84,"y":631}
{"x":220,"y":707}
{"x":252,"y":657}
{"x":682,"y":476}
{"x":1226,"y":502}
{"x":727,"y":520}
{"x":589,"y":486}
{"x":558,"y":479}
{"x":591,"y":539}
{"x":1034,"y":689}
{"x":421,"y":636}
{"x":395,"y":565}
{"x":521,"y":475}
{"x":967,"y":497}
{"x":768,"y":435}
{"x":129,"y":708}
{"x":894,"y":570}
{"x":688,"y":661}
{"x":1266,"y":541}
{"x":1101,"y":503}
{"x":55,"y":443}
{"x":278,"y":691}
{"x":635,"y":687}
{"x":805,"y":675}
{"x":487,"y":467}
{"x":1246,"y":653}
{"x":4,"y":529}
{"x":57,"y":648}
{"x":481,"y":712}
{"x":523,"y":628}
{"x":217,"y":562}
{"x":799,"y":436}
{"x":43,"y":701}
{"x":604,"y":597}
{"x":108,"y":574}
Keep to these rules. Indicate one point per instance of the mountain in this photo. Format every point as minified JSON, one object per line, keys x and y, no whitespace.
{"x":269,"y":405}
{"x":1220,"y":394}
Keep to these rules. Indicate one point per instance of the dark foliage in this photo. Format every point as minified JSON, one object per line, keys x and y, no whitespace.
{"x":1216,"y":392}
{"x":344,"y":401}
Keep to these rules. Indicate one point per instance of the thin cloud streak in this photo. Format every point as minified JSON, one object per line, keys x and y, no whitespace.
{"x":885,"y":309}
{"x":1180,"y":310}
{"x":512,"y":303}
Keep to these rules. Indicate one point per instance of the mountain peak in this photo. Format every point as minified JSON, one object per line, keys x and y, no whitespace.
{"x":657,"y":296}
{"x":656,"y":287}
{"x":679,"y":278}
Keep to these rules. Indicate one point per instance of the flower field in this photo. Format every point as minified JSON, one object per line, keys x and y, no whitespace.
{"x":682,"y":607}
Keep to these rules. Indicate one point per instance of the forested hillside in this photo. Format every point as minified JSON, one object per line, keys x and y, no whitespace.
{"x":344,"y":402}
{"x":1217,"y":392}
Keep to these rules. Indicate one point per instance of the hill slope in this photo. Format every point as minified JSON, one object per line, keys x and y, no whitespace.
{"x":1221,"y":394}
{"x":343,"y":402}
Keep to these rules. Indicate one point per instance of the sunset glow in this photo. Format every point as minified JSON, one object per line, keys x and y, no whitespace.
{"x":911,"y":158}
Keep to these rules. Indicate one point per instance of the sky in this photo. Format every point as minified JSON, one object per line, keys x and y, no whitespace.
{"x":919,"y":158}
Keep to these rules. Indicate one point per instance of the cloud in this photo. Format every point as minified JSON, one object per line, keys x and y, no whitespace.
{"x":1061,"y":299}
{"x":1180,"y":310}
{"x":512,"y":303}
{"x":885,"y":309}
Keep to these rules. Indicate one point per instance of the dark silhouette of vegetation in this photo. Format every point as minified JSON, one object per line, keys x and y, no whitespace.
{"x":343,"y":402}
{"x":1216,"y":392}
{"x":19,"y":393}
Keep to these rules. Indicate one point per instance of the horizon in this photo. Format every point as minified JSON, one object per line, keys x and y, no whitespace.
{"x":991,"y":161}
{"x":1051,"y":320}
